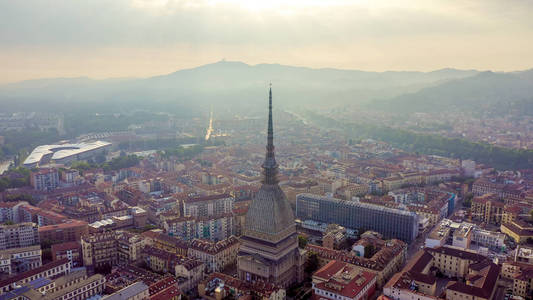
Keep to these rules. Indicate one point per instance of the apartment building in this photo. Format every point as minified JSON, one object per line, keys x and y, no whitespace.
{"x":487,"y":208}
{"x":45,"y":179}
{"x":69,"y":231}
{"x":10,"y":211}
{"x":392,"y":223}
{"x":22,"y":259}
{"x":99,"y":250}
{"x":403,"y":179}
{"x":42,"y":217}
{"x":453,"y":262}
{"x":163,"y":241}
{"x":215,"y":255}
{"x":18,"y":235}
{"x":523,"y":283}
{"x":521,"y":274}
{"x":204,"y":217}
{"x":206,"y":206}
{"x":72,"y":286}
{"x":520,"y":230}
{"x":387,"y":259}
{"x":109,"y":248}
{"x":69,"y":250}
{"x":215,"y":228}
{"x":189,"y":273}
{"x":489,"y":239}
{"x":160,"y":260}
{"x":129,"y":246}
{"x":291,"y":189}
{"x":340,"y":280}
{"x":472,"y":276}
{"x":484,"y":186}
{"x":50,"y":270}
{"x":462,"y":235}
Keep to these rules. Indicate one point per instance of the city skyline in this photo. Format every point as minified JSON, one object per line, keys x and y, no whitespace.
{"x":142,"y":155}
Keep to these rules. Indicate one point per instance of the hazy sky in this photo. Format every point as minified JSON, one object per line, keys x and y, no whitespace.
{"x":138,"y":38}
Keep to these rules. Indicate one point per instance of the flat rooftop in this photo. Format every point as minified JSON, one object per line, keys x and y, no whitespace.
{"x":63,"y":150}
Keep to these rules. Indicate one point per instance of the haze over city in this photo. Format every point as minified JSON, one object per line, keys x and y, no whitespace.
{"x":266,"y":150}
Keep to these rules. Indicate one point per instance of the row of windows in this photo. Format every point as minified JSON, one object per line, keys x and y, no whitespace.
{"x":388,"y":222}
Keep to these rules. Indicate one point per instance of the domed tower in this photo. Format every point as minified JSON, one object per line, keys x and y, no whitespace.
{"x":269,"y":244}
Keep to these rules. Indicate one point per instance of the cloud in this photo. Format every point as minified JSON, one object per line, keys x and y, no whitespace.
{"x":156,"y":22}
{"x":371,"y":34}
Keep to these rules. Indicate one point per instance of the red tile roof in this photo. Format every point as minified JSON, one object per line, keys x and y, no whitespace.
{"x":65,"y":246}
{"x":207,"y":198}
{"x":69,"y":224}
{"x":343,"y":279}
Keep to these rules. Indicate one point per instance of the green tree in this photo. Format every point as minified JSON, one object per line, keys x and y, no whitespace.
{"x":302,"y":241}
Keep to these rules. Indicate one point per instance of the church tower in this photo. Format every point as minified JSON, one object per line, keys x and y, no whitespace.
{"x":269,"y":244}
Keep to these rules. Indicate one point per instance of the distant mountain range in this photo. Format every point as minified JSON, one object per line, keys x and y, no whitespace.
{"x":486,"y":91}
{"x":238,"y":86}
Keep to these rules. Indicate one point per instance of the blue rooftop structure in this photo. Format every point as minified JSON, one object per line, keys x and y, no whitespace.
{"x":39,"y":282}
{"x":14,"y":293}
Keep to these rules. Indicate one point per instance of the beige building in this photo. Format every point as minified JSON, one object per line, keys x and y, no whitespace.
{"x":351,"y":190}
{"x":473,"y":276}
{"x":129,"y":246}
{"x":292,"y":189}
{"x":334,"y":236}
{"x":110,"y":248}
{"x":387,"y":259}
{"x":340,"y":280}
{"x":520,"y":271}
{"x":160,"y":240}
{"x":488,"y":209}
{"x":523,"y":283}
{"x":215,"y":255}
{"x":99,"y":250}
{"x":401,"y":180}
{"x":431,"y":213}
{"x":462,"y":236}
{"x":160,"y":260}
{"x":520,"y":230}
{"x":453,"y":262}
{"x":189,"y":273}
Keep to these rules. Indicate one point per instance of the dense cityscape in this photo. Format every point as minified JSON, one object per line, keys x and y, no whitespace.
{"x":266,"y":150}
{"x":326,"y":217}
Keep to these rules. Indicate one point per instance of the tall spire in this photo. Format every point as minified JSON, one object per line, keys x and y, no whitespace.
{"x":270,"y":167}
